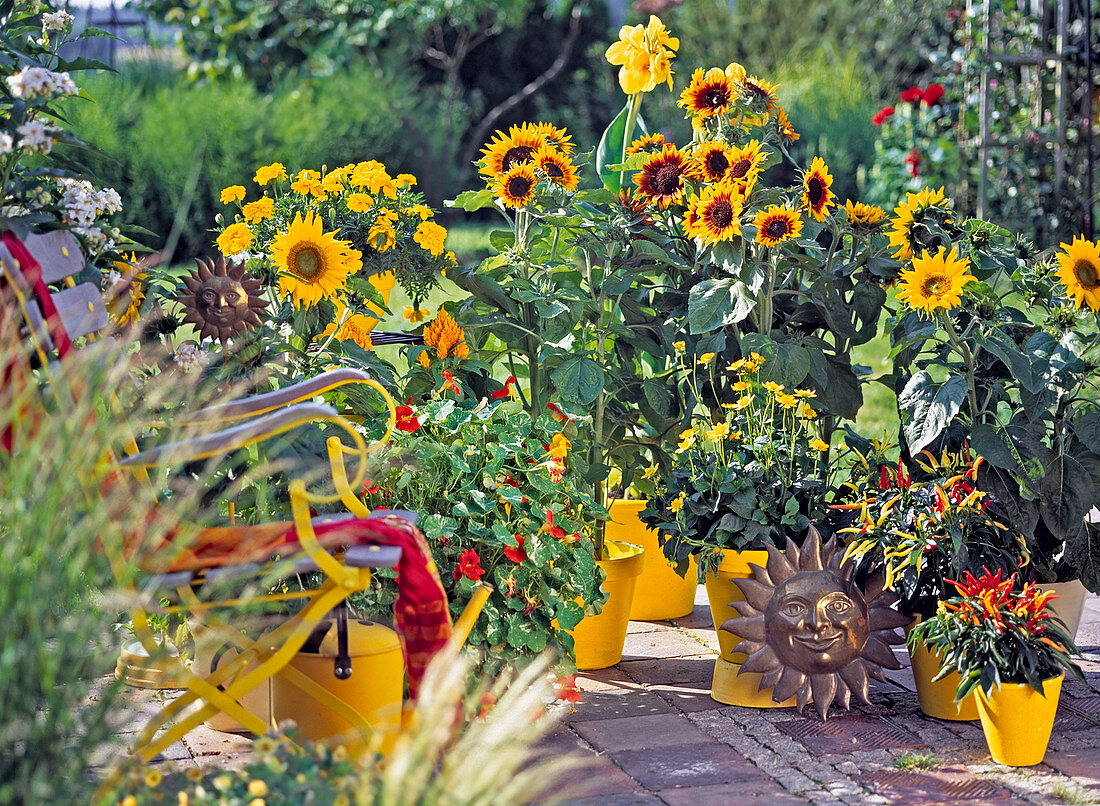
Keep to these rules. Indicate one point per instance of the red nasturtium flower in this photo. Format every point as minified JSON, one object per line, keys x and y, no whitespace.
{"x":912,"y":94}
{"x":406,"y":419}
{"x":932,"y":95}
{"x":516,"y":554}
{"x":508,"y":390}
{"x":880,"y":116}
{"x":912,"y":162}
{"x":549,"y":528}
{"x":450,"y":383}
{"x":566,"y":689}
{"x":557,"y":413}
{"x":469,"y":566}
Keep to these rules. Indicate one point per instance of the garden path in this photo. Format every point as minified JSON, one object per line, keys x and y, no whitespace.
{"x":655,"y":736}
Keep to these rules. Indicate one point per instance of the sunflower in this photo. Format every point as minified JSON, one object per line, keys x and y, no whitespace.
{"x":864,"y":217}
{"x":126,"y":293}
{"x":935,"y":281}
{"x":506,"y":151}
{"x":649,"y":142}
{"x":1079,"y":271}
{"x":928,"y":204}
{"x":312,"y":263}
{"x":710,"y":93}
{"x":776,"y":225}
{"x":662,"y":177}
{"x":714,"y":215}
{"x":557,"y":167}
{"x":759,"y":95}
{"x":711,"y":161}
{"x":557,"y":136}
{"x":745,"y":164}
{"x":516,"y":187}
{"x":816,"y":194}
{"x":783,"y":125}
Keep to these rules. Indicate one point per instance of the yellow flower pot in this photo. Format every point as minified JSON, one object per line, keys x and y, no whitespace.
{"x":728,"y":685}
{"x":375,"y":688}
{"x":136,"y":668}
{"x":384,"y":284}
{"x":1017,"y":721}
{"x":937,"y":699}
{"x":598,"y":640}
{"x":660,"y":593}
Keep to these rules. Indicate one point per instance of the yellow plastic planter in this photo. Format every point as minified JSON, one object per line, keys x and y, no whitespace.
{"x":136,"y":668}
{"x":937,"y":699}
{"x":728,"y":685}
{"x":375,"y":688}
{"x":598,"y":640}
{"x":660,"y":593}
{"x":1017,"y":721}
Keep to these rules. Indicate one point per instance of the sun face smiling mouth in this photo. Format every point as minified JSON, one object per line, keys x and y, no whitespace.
{"x":819,"y":643}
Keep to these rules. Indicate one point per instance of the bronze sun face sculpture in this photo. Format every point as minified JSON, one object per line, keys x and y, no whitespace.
{"x":810,"y":631}
{"x":222,"y":302}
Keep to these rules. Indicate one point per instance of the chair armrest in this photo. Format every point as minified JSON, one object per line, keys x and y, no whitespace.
{"x":280,"y":398}
{"x":230,"y":439}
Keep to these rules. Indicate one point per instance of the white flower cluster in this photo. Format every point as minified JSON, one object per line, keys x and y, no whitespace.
{"x":38,"y":137}
{"x":38,"y":82}
{"x":189,"y":357}
{"x":58,"y":21}
{"x":81,"y":204}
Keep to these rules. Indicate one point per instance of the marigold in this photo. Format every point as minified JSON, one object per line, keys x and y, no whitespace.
{"x":235,"y":239}
{"x":360,"y":202}
{"x":258,"y":210}
{"x":308,"y":183}
{"x":233,"y":193}
{"x":430,"y":236}
{"x":275,"y":170}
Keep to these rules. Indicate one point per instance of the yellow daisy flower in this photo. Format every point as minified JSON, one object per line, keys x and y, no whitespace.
{"x":819,"y":444}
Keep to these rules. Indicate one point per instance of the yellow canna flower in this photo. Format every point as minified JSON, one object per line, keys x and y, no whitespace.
{"x":644,"y":54}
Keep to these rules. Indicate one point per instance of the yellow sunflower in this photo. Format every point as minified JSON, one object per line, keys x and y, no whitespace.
{"x":816,"y":193}
{"x":127,"y":293}
{"x":649,"y":142}
{"x":711,"y":161}
{"x":516,"y":186}
{"x":313,"y":264}
{"x":759,"y":95}
{"x":506,"y":151}
{"x":1079,"y":271}
{"x":661,"y":178}
{"x":714,"y":215}
{"x":864,"y":217}
{"x":557,"y":136}
{"x":928,"y":204}
{"x":710,"y":93}
{"x":746,"y":163}
{"x":783,"y":125}
{"x":557,"y":167}
{"x":776,"y":225}
{"x":935,"y":281}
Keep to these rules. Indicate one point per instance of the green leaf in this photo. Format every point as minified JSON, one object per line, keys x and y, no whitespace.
{"x":718,"y":302}
{"x":1020,"y":364}
{"x":658,"y":395}
{"x":1066,"y":495}
{"x":578,"y":380}
{"x":992,"y":443}
{"x":610,"y":150}
{"x":471,"y":200}
{"x":927,"y":407}
{"x":1086,"y":426}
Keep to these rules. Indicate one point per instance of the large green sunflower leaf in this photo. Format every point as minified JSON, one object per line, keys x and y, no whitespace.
{"x":610,"y":150}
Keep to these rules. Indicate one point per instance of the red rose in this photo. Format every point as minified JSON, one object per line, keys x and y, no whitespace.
{"x":880,"y":116}
{"x":912,"y":95}
{"x":932,"y":95}
{"x":469,"y":566}
{"x":517,"y":554}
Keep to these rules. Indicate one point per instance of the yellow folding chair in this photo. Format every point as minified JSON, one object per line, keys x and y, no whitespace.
{"x":341,"y":550}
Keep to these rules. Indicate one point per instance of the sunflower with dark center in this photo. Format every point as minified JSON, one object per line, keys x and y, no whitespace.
{"x":710,"y":93}
{"x":816,"y":193}
{"x":935,"y":281}
{"x":662,"y":177}
{"x":746,"y":162}
{"x":1079,"y":271}
{"x":506,"y":151}
{"x":715,"y":214}
{"x":649,"y":143}
{"x":711,"y":161}
{"x":776,"y":225}
{"x":759,"y":95}
{"x":313,"y":264}
{"x":557,"y":167}
{"x":516,"y":187}
{"x":556,"y":136}
{"x":784,"y":127}
{"x":927,"y":206}
{"x":864,"y":218}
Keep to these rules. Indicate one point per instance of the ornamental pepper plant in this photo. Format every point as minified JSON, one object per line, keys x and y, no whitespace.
{"x":991,"y":633}
{"x":499,"y":502}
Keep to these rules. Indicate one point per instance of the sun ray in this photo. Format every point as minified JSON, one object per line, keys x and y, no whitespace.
{"x":790,"y":683}
{"x":760,"y":574}
{"x":855,"y":677}
{"x":748,"y":627}
{"x":763,"y":660}
{"x":756,"y":594}
{"x":843,"y":694}
{"x":879,"y":651}
{"x":769,"y":679}
{"x":804,"y":695}
{"x":810,"y":555}
{"x":885,"y":618}
{"x":779,"y":569}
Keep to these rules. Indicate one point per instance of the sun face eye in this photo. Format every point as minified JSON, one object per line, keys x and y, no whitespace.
{"x":838,"y":606}
{"x":792,"y":609}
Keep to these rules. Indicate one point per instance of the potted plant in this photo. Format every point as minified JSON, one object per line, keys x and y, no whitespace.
{"x":1010,"y":653}
{"x":994,"y":346}
{"x":918,"y":531}
{"x":754,"y":477}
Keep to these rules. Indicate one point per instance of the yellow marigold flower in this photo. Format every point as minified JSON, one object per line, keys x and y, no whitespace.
{"x":785,"y":400}
{"x":360,"y":202}
{"x":650,"y":472}
{"x":382,"y":236}
{"x":152,"y":778}
{"x":307,"y":183}
{"x":373,"y":176}
{"x":818,"y":444}
{"x":645,"y":56}
{"x":233,"y":193}
{"x":341,"y":800}
{"x":333,"y":182}
{"x":257,"y":788}
{"x":421,"y":210}
{"x":415,"y":315}
{"x":430,"y":236}
{"x":275,"y":170}
{"x":258,"y":210}
{"x":235,"y":239}
{"x":774,"y":387}
{"x":678,"y":346}
{"x":719,"y":432}
{"x":404,"y":180}
{"x":678,"y":502}
{"x":257,"y":802}
{"x":446,"y":337}
{"x":705,"y":358}
{"x":183,"y":799}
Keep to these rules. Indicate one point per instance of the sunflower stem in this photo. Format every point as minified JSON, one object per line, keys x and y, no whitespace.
{"x":631,"y":118}
{"x":968,"y":359}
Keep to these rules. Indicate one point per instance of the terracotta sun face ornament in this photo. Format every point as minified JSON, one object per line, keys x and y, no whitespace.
{"x":222,"y":302}
{"x":810,"y":631}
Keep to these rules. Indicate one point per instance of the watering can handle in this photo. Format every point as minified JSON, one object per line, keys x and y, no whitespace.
{"x":470,"y":613}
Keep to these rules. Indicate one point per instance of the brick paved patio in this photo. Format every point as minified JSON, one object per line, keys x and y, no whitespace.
{"x":656,"y":737}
